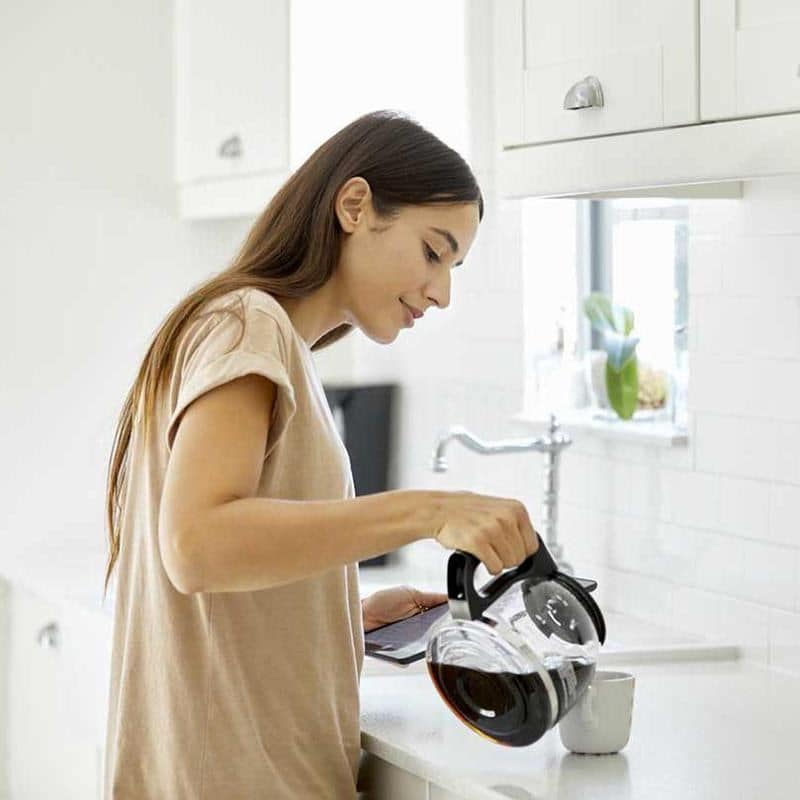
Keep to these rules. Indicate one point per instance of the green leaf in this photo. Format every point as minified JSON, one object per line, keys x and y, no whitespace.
{"x":597,"y":308}
{"x":620,"y":349}
{"x":623,"y":320}
{"x":623,"y":388}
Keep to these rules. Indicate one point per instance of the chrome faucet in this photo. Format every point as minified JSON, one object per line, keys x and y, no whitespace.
{"x":551,"y":444}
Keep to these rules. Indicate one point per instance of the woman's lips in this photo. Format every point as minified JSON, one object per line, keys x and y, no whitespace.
{"x":409,"y":315}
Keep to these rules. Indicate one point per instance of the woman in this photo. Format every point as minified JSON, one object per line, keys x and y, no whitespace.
{"x":238,"y":639}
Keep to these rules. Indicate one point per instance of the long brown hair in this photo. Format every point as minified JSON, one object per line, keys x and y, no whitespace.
{"x":293,"y":248}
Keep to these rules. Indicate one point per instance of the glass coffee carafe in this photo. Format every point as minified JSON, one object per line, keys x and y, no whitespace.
{"x":512,"y":659}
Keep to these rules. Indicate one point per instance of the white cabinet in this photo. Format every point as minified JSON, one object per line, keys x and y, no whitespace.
{"x":380,"y":780}
{"x":56,"y":674}
{"x":750,"y":62}
{"x":232,"y":104}
{"x":642,"y":53}
{"x":698,"y":95}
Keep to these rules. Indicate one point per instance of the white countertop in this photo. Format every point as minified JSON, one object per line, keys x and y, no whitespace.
{"x":702,"y":729}
{"x":705,"y":730}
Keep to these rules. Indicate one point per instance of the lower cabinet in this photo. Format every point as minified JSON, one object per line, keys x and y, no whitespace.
{"x":55,"y":666}
{"x":380,"y":780}
{"x":55,"y":663}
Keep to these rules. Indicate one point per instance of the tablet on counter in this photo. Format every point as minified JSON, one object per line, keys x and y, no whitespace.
{"x":406,"y":640}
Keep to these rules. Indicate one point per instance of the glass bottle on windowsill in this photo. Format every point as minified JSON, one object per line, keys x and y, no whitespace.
{"x":560,"y":378}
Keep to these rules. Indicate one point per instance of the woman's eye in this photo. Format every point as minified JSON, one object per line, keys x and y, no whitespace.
{"x":431,"y":254}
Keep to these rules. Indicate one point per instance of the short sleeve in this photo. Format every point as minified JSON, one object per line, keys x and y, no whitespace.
{"x":217,"y":355}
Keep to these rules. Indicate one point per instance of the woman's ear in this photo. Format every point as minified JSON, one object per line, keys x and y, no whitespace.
{"x":352,"y":201}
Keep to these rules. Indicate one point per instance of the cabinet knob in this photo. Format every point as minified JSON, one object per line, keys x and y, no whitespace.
{"x":584,"y":94}
{"x":231,"y":148}
{"x":49,"y":636}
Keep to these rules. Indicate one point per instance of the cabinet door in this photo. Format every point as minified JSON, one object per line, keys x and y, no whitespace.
{"x":750,"y":63}
{"x":380,"y":780}
{"x":642,"y":52}
{"x":232,"y":87}
{"x":84,"y":679}
{"x":46,"y":757}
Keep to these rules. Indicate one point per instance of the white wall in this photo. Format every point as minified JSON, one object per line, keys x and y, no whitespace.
{"x":93,"y":256}
{"x":92,"y":252}
{"x":705,"y":537}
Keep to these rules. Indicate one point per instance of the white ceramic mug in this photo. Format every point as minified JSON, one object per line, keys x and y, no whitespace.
{"x":600,"y":722}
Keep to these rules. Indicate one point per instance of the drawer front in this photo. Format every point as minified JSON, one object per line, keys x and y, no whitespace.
{"x":632,"y":88}
{"x":768,"y":69}
{"x":750,"y":60}
{"x":644,"y":53}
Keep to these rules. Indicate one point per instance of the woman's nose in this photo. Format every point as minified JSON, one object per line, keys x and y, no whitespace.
{"x":439,"y":290}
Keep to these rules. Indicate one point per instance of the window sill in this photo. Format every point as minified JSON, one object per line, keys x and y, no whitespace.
{"x":659,"y":432}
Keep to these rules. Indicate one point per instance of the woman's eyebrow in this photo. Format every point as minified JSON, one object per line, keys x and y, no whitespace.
{"x":451,"y":239}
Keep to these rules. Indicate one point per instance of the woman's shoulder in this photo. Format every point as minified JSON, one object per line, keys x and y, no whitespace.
{"x":251,"y":301}
{"x":261,"y":300}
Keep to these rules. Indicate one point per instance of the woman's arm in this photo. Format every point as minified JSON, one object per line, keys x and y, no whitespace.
{"x":216,"y":536}
{"x":254,"y":543}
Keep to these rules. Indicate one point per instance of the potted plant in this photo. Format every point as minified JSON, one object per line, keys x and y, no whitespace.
{"x":615,"y":322}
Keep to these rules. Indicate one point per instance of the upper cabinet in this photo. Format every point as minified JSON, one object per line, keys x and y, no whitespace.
{"x":750,"y":62}
{"x":599,"y":98}
{"x":232,"y":104}
{"x":578,"y":69}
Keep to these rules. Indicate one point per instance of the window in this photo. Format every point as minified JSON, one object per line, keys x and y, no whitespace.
{"x":632,"y":249}
{"x":638,"y":256}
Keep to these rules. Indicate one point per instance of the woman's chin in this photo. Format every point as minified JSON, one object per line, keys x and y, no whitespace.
{"x":381,"y":336}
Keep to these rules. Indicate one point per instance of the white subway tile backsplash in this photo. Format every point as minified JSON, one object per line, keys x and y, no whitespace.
{"x":787,"y":452}
{"x":638,"y":595}
{"x":647,"y":497}
{"x":705,"y":258}
{"x":717,"y":218}
{"x":784,"y":514}
{"x":759,"y":266}
{"x":703,"y":559}
{"x":628,"y":545}
{"x":691,"y":498}
{"x":735,"y":446}
{"x":601,"y":485}
{"x":727,"y":385}
{"x":722,"y":618}
{"x":745,"y":386}
{"x":621,"y":474}
{"x":762,"y":327}
{"x":584,"y":534}
{"x":704,"y":538}
{"x":770,"y":574}
{"x":769,"y":208}
{"x":784,"y":645}
{"x":744,"y":507}
{"x":632,"y":453}
{"x":574,"y":478}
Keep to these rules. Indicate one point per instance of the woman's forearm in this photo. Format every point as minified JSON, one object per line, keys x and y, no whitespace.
{"x":255,"y":543}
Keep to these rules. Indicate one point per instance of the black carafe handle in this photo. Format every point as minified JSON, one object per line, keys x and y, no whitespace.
{"x":466,"y":602}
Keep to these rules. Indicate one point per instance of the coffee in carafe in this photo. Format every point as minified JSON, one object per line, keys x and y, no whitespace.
{"x":512,"y":661}
{"x":508,"y":708}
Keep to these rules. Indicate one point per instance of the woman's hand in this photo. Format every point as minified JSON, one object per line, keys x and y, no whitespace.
{"x":398,"y":602}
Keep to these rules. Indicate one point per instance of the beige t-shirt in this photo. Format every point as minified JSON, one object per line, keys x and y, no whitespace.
{"x":236,"y":695}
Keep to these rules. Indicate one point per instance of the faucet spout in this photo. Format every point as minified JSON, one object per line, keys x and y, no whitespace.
{"x":550,"y":443}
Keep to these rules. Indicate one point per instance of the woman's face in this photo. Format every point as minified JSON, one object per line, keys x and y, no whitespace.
{"x":385,"y":267}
